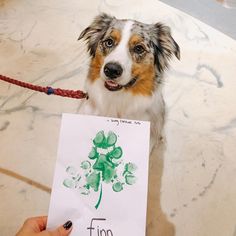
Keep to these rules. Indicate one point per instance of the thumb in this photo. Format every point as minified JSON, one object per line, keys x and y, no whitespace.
{"x":63,"y":230}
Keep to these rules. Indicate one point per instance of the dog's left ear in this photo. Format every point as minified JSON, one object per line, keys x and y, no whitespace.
{"x":94,"y":33}
{"x":164,"y":45}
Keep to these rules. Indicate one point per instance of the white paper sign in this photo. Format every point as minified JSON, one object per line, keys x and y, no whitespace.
{"x":101,"y":176}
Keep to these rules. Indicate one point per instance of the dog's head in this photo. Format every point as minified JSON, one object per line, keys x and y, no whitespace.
{"x":129,"y":55}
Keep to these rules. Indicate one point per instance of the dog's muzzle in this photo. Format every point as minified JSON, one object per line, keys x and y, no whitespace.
{"x":113,"y":71}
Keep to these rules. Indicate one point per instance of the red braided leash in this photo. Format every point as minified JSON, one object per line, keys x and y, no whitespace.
{"x":48,"y":90}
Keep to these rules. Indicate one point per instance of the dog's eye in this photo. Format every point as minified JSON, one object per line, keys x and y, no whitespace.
{"x":139,"y":49}
{"x":109,"y":43}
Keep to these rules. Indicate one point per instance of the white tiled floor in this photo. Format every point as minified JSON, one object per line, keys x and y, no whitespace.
{"x":38,"y":43}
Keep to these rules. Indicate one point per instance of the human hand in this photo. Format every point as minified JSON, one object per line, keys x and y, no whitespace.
{"x":36,"y":226}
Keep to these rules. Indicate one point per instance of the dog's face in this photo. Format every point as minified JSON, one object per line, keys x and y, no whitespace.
{"x":128,"y":55}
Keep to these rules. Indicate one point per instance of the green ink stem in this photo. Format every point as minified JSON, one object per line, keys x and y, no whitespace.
{"x":100,"y":198}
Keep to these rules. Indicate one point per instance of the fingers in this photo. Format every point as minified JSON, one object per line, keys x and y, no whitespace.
{"x":41,"y":222}
{"x":32,"y":226}
{"x":63,"y":230}
{"x":37,"y":224}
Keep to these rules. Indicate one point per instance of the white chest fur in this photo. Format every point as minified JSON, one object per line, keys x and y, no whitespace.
{"x":125,"y":105}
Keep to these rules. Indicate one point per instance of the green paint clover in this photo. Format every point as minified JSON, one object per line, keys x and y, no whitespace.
{"x":104,"y":165}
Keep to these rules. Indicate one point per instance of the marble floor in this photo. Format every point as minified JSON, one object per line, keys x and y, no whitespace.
{"x":38,"y":44}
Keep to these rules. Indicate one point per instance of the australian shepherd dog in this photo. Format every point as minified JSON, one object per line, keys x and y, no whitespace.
{"x":126,"y":73}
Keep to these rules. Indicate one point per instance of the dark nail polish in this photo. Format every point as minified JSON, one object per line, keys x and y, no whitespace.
{"x":67,"y":225}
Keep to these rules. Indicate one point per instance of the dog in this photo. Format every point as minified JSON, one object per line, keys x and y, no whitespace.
{"x":126,"y":74}
{"x":127,"y":70}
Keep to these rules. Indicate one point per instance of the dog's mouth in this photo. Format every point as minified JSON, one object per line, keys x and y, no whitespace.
{"x":113,"y":86}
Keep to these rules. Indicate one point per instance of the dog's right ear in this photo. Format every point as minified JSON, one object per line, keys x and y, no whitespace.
{"x":95,"y":32}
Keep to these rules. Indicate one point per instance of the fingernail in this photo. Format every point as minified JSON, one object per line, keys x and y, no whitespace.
{"x":67,"y":225}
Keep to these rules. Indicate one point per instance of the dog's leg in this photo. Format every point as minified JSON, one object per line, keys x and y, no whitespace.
{"x":157,"y":222}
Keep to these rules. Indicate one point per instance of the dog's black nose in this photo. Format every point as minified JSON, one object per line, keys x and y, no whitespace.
{"x":113,"y":70}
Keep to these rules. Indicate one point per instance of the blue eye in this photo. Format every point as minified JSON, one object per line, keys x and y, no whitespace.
{"x":139,"y":49}
{"x":109,"y":43}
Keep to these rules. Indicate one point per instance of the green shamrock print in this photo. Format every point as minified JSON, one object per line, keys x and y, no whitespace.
{"x":105,"y":165}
